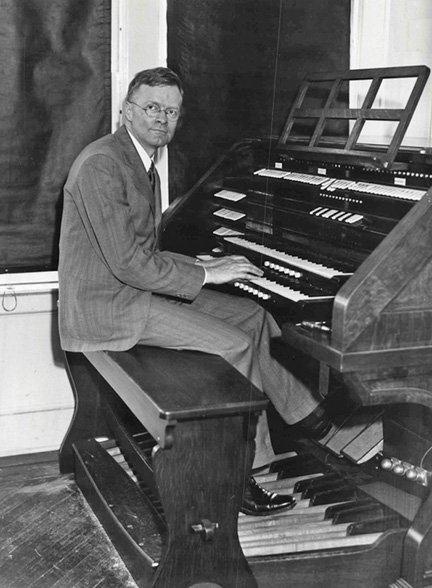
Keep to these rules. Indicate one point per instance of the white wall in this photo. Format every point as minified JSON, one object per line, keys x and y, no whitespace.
{"x":395,"y":33}
{"x":139,"y":33}
{"x":36,"y":401}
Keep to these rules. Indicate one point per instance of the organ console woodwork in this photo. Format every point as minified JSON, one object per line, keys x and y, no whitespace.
{"x":342,"y":231}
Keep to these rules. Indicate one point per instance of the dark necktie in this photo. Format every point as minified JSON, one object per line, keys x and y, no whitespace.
{"x":157,"y":203}
{"x":152,"y":175}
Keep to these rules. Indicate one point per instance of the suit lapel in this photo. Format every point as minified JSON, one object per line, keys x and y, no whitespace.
{"x":136,"y":167}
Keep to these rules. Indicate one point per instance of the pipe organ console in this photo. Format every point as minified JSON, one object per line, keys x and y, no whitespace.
{"x":344,"y":237}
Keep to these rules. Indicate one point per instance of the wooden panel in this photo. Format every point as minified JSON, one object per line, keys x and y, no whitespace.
{"x":205,"y":385}
{"x":401,"y":259}
{"x":372,"y":566}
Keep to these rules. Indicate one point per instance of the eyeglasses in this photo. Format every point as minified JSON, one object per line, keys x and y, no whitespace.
{"x":153,"y":110}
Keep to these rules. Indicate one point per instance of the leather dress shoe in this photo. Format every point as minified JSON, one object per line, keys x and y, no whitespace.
{"x":258,"y":501}
{"x":316,"y":425}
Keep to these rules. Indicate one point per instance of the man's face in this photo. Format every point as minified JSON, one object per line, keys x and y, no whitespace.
{"x":153,"y":132}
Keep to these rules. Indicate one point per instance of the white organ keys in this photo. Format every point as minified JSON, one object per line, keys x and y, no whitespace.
{"x":271,"y":173}
{"x":307,"y":179}
{"x":261,"y":548}
{"x":230,"y":195}
{"x":292,"y":260}
{"x":304,"y":528}
{"x":231,"y":215}
{"x":260,"y":287}
{"x":336,"y":214}
{"x":389,"y":191}
{"x":226,"y":232}
{"x":330,"y":184}
{"x":315,"y":180}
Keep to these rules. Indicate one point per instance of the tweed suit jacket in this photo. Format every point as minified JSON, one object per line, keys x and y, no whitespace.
{"x":109,"y":264}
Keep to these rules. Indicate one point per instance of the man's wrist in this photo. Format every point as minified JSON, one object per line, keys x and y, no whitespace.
{"x":199,"y":262}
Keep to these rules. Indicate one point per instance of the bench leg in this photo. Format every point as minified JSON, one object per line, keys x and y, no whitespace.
{"x":88,"y":420}
{"x":201,"y":480}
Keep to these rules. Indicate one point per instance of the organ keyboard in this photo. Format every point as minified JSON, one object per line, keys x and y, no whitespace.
{"x":310,"y":238}
{"x":347,"y":218}
{"x":328,"y":513}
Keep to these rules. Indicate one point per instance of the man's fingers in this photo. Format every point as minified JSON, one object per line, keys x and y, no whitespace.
{"x":230,"y":268}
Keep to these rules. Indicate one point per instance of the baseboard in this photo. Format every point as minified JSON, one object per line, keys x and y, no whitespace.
{"x":28,"y":459}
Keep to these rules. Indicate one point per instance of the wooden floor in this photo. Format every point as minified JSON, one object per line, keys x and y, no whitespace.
{"x":49,"y":537}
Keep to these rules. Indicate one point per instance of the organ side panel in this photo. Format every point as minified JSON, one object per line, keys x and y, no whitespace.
{"x":385,"y":304}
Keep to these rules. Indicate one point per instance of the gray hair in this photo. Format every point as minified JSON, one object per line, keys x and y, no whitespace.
{"x":158,"y":76}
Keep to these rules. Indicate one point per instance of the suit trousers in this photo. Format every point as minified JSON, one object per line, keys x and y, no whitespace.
{"x":247,"y":336}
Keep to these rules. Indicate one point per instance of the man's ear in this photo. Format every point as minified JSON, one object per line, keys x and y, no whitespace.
{"x":127,"y":111}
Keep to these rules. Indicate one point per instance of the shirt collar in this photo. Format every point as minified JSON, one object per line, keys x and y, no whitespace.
{"x":144,"y":156}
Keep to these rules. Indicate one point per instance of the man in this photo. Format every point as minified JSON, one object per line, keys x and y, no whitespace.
{"x":117,"y":289}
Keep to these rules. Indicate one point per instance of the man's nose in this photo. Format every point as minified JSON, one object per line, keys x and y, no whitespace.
{"x":162,"y":116}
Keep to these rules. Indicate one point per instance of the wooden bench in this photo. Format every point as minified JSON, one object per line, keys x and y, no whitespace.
{"x":184,"y":423}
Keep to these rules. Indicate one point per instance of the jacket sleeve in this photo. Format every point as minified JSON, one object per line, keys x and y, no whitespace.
{"x":119,"y":222}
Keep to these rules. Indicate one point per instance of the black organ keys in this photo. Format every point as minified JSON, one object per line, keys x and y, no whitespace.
{"x":330,"y":513}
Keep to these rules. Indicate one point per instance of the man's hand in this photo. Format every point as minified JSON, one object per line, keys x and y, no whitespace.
{"x":226,"y":269}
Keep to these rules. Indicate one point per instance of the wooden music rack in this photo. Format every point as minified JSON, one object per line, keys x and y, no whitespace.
{"x":333,"y":110}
